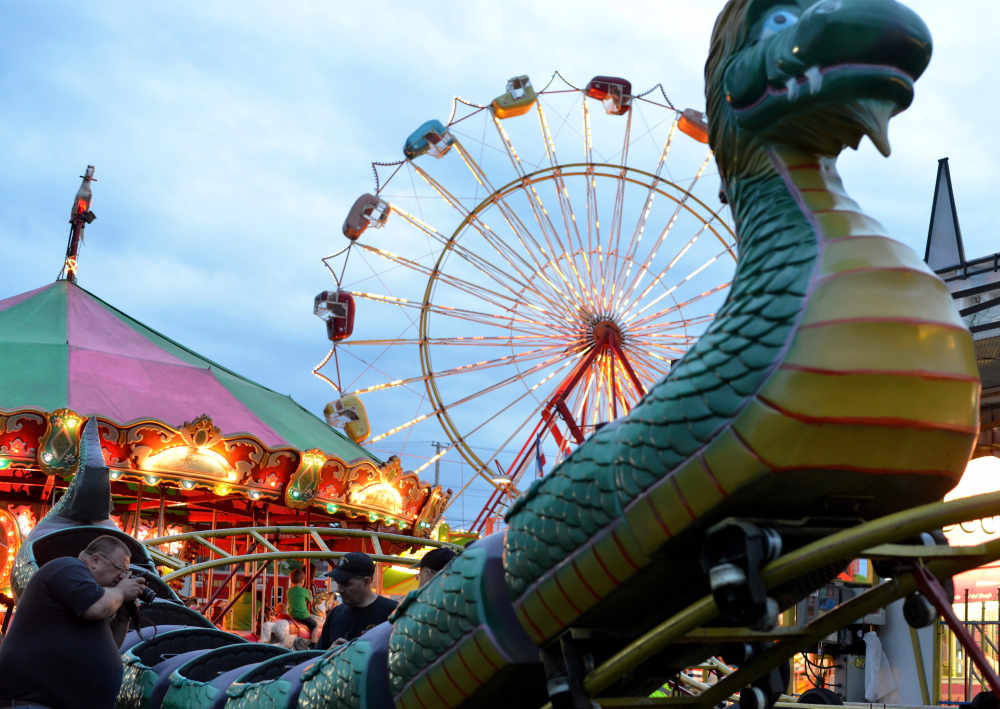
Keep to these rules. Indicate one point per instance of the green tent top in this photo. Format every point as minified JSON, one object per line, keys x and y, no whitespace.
{"x":63,"y":347}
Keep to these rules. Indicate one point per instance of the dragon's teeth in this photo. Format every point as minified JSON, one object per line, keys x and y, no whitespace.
{"x":793,"y":88}
{"x":815,"y":79}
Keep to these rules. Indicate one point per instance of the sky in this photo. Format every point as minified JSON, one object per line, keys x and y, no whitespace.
{"x":231,"y":138}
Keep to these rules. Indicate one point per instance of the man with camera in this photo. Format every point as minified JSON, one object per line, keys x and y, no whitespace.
{"x":72,"y":616}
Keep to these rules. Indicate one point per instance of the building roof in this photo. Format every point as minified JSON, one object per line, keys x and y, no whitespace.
{"x":63,"y":347}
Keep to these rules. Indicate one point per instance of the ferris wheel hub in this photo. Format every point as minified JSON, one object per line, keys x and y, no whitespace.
{"x":606,"y":328}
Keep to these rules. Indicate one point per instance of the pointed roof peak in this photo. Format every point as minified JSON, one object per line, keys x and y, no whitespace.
{"x":945,"y":250}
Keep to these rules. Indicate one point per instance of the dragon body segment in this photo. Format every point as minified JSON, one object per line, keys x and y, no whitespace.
{"x":836,"y":382}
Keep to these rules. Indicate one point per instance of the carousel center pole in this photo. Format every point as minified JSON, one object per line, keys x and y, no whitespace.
{"x":79,"y":217}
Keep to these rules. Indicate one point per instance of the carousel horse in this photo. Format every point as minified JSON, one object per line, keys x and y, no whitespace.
{"x":322,"y":603}
{"x":282,"y":629}
{"x":836,"y":385}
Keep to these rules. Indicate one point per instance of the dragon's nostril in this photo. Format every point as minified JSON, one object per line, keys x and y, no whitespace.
{"x":828,"y":7}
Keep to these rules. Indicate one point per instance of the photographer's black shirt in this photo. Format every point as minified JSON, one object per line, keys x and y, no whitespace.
{"x":348,"y":623}
{"x":51,"y":655}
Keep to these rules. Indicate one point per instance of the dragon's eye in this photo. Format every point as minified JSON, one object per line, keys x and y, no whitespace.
{"x":777,"y":21}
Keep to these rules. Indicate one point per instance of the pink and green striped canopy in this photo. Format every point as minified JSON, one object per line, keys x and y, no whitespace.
{"x":61,"y":346}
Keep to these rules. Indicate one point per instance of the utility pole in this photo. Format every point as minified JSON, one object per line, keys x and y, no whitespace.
{"x":437,"y":463}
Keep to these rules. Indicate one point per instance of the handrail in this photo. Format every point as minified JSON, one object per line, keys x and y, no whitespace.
{"x":182,"y":568}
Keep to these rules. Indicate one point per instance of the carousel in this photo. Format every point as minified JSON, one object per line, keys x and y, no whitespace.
{"x":218,"y":475}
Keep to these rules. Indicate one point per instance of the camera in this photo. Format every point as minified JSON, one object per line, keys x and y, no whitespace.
{"x":147,"y":595}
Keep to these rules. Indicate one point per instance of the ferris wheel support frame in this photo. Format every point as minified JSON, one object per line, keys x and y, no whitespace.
{"x":557,"y":404}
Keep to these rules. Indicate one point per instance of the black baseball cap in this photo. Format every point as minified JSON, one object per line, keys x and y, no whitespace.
{"x":351,"y":564}
{"x":437,"y":559}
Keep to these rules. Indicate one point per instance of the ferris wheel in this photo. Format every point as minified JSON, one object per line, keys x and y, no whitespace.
{"x":545,"y":258}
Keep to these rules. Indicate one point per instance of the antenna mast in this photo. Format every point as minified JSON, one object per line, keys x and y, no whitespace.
{"x":80,"y":216}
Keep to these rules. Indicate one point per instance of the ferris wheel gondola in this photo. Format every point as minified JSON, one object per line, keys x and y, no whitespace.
{"x":560,"y":289}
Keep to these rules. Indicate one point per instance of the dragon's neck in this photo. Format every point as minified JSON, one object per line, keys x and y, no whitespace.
{"x":801,"y":194}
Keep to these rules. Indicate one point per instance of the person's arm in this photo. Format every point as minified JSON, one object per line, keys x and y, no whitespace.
{"x":113,"y":598}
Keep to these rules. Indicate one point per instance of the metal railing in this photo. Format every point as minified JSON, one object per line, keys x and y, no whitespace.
{"x":257,"y":536}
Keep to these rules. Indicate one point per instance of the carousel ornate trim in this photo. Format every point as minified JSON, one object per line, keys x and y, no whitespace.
{"x":197,"y":455}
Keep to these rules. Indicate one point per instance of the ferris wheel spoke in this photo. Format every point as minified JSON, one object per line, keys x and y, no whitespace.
{"x":658,"y":329}
{"x":508,"y":254}
{"x":465,"y":286}
{"x":615,"y":232}
{"x":655,"y":355}
{"x":659,"y":278}
{"x":663,"y":341}
{"x":627,"y":139}
{"x":564,"y":124}
{"x":515,"y":159}
{"x":681,"y":205}
{"x":580,"y":398}
{"x":550,"y":234}
{"x":639,"y":231}
{"x":516,"y":431}
{"x":623,"y":389}
{"x":570,"y":225}
{"x":463,"y":369}
{"x":487,"y":267}
{"x":556,"y":253}
{"x":569,"y":364}
{"x":471,"y":315}
{"x":675,"y":287}
{"x":370,"y":366}
{"x":679,"y":306}
{"x":665,"y":151}
{"x":517,"y":226}
{"x":483,"y":341}
{"x":517,"y":358}
{"x":482,"y":392}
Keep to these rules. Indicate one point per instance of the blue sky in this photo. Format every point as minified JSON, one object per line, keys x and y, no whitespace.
{"x":230,"y":138}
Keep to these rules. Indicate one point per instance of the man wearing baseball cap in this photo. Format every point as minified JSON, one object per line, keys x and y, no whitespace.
{"x":362,"y":608}
{"x":432,"y":562}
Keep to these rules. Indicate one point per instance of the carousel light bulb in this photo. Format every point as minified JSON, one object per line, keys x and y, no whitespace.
{"x":187,"y":484}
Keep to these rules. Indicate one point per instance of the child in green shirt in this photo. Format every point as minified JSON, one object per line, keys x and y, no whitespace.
{"x":299,"y":600}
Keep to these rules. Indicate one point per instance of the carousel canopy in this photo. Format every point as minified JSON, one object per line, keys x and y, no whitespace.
{"x":62,"y":347}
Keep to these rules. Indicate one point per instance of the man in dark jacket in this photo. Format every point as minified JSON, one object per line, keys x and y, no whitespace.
{"x":362,"y":608}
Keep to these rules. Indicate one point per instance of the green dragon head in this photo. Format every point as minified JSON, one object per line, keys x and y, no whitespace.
{"x":817,"y":76}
